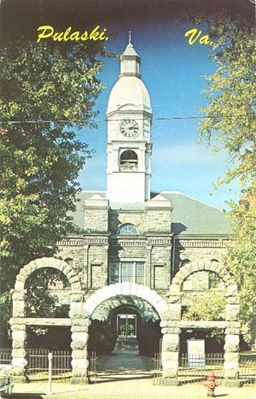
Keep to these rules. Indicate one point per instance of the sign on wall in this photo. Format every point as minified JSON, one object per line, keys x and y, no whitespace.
{"x":196,"y":352}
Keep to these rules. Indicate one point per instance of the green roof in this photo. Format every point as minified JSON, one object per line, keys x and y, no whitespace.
{"x":189,"y":216}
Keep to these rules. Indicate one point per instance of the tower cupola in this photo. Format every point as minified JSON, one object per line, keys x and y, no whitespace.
{"x":130,"y":61}
{"x":129,"y":118}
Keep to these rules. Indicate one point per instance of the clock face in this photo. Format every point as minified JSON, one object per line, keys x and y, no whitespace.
{"x":129,"y":127}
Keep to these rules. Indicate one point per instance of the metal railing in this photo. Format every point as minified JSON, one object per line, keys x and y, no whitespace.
{"x":92,"y":371}
{"x":38,"y":364}
{"x":5,"y":357}
{"x":157,"y":368}
{"x":247,"y":371}
{"x":191,"y":369}
{"x":195,"y":368}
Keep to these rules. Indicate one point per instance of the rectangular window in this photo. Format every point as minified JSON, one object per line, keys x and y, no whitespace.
{"x":127,"y":273}
{"x":139,"y":272}
{"x":132,"y":272}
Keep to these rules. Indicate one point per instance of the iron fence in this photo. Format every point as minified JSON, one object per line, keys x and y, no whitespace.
{"x":38,"y":364}
{"x":195,"y":368}
{"x":191,"y":369}
{"x":5,"y":357}
{"x":157,"y":368}
{"x":247,"y":371}
{"x":92,"y":370}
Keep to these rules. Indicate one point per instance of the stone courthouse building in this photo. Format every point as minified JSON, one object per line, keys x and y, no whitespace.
{"x":140,"y":255}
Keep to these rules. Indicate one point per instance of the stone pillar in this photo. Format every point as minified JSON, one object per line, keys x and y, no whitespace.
{"x":18,"y":300}
{"x":19,"y":336}
{"x":171,"y":341}
{"x":19,"y":361}
{"x":170,"y":355}
{"x":232,"y":338}
{"x":79,"y":336}
{"x":231,"y":355}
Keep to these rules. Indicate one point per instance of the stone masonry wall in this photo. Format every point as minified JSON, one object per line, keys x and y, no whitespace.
{"x":118,"y":217}
{"x":158,"y":220}
{"x":96,"y":219}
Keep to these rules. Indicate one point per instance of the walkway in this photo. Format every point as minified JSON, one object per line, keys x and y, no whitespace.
{"x":137,"y":389}
{"x":123,"y":365}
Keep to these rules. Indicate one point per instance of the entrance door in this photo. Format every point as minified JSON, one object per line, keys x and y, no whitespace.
{"x":127,"y":325}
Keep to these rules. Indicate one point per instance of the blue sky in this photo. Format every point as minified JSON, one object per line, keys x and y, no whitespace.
{"x":173,"y":72}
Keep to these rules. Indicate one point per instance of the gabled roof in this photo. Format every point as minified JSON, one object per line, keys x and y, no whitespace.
{"x":189,"y":216}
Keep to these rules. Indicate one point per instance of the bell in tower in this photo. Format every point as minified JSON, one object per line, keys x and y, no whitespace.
{"x":129,"y":119}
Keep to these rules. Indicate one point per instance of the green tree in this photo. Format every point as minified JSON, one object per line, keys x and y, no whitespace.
{"x":230,"y":124}
{"x":242,"y":263}
{"x":230,"y":113}
{"x":46,"y":91}
{"x":200,"y":309}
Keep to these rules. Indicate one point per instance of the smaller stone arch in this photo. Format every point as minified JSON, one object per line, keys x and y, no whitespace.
{"x":232,"y":329}
{"x":47,"y":263}
{"x":215,"y":267}
{"x":18,"y":321}
{"x":127,"y":289}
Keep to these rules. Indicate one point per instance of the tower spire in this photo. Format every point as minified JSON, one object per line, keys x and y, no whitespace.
{"x":130,"y":36}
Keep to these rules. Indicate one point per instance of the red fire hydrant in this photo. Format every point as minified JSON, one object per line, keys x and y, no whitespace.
{"x":211,"y":384}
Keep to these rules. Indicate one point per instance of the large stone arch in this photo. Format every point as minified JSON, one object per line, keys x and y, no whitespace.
{"x":145,"y":310}
{"x":127,"y":289}
{"x":46,"y":263}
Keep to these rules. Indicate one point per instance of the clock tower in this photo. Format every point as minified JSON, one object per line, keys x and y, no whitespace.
{"x":129,"y":118}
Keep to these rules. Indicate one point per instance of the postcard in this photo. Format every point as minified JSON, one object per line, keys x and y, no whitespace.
{"x":128,"y":193}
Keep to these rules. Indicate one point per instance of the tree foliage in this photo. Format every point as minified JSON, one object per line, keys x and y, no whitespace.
{"x":242,"y":263}
{"x":46,"y":90}
{"x":41,"y":298}
{"x":209,"y":306}
{"x":230,"y":123}
{"x":230,"y":113}
{"x":102,"y":337}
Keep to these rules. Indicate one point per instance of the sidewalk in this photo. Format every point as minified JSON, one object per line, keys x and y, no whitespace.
{"x":131,"y":389}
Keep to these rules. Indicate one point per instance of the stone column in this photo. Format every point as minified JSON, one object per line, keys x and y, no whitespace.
{"x":79,"y":336}
{"x":170,"y":355}
{"x":19,"y":336}
{"x":171,"y":341}
{"x":19,"y":361}
{"x":231,"y":347}
{"x":18,"y":300}
{"x":231,"y":355}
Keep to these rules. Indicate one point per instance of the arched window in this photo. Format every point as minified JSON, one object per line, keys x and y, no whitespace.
{"x":127,"y":229}
{"x":128,"y":161}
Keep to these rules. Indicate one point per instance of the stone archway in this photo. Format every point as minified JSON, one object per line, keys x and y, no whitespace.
{"x":19,"y":321}
{"x":127,"y":289}
{"x":46,"y":263}
{"x":143,"y":308}
{"x":231,"y":324}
